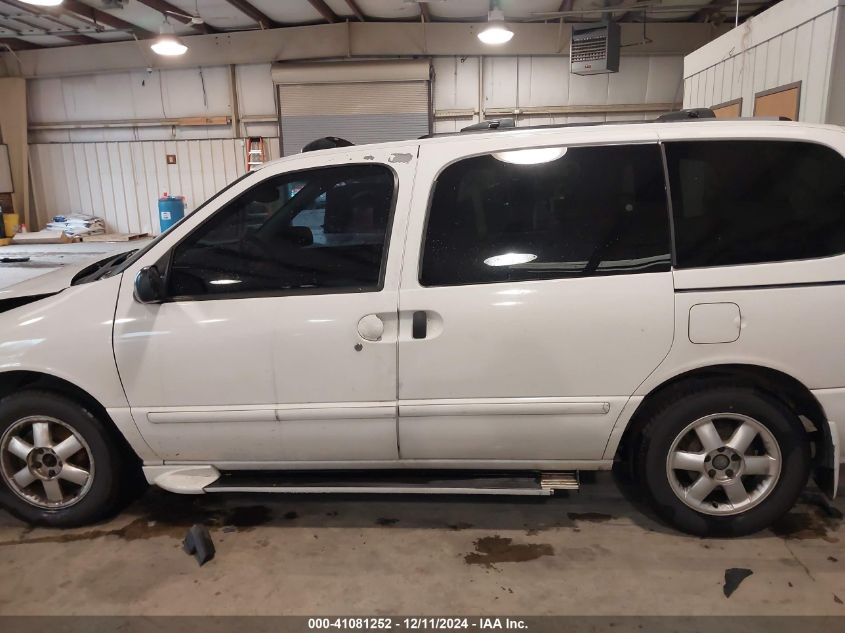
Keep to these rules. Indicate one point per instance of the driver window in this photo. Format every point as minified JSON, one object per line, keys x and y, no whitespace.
{"x":322,"y":229}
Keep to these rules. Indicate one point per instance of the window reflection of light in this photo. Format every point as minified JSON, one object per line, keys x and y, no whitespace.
{"x":531,"y":156}
{"x":213,"y":321}
{"x":224,"y":282}
{"x":320,"y":320}
{"x":31,"y":321}
{"x":509,"y":259}
{"x":508,"y":303}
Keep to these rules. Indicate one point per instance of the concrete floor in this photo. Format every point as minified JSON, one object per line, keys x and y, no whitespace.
{"x":591,"y":553}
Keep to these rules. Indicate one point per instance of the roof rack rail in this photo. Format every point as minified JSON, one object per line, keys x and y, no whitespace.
{"x":690,"y":114}
{"x":327,"y":142}
{"x":490,"y":124}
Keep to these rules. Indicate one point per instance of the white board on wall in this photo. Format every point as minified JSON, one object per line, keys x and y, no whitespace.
{"x":6,"y":185}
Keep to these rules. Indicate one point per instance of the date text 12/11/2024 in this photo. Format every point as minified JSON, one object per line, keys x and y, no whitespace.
{"x":414,"y":624}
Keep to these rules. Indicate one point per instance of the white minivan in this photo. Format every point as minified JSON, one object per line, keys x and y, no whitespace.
{"x":480,"y":313}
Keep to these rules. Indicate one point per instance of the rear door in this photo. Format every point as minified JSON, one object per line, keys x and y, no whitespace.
{"x":536,"y":294}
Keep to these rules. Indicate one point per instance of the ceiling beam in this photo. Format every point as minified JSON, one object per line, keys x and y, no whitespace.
{"x":356,"y":10}
{"x":566,"y":5}
{"x":706,"y":13}
{"x":172,"y":11}
{"x":99,"y":18}
{"x":76,"y":38}
{"x":425,"y":11}
{"x":324,"y":10}
{"x":38,"y":13}
{"x":17,"y":45}
{"x":253,"y":13}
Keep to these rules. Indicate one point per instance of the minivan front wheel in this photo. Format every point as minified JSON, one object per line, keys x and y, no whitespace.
{"x":59,"y":465}
{"x":724,"y":461}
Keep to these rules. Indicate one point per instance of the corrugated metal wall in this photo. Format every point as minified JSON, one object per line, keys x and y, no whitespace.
{"x":526,"y":82}
{"x":802,"y":52}
{"x":121,"y":182}
{"x":119,"y":173}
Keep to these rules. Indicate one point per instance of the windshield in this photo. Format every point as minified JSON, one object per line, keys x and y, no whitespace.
{"x":138,"y":254}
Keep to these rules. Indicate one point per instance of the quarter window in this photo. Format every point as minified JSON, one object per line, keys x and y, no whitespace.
{"x":548,"y":213}
{"x":746,"y":202}
{"x":323,"y":229}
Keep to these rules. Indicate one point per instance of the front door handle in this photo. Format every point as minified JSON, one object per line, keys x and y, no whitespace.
{"x":371,"y":328}
{"x":419,"y":324}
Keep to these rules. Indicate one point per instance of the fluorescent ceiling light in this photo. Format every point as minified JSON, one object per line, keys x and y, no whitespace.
{"x":531,"y":156}
{"x":509,"y":259}
{"x":496,"y":31}
{"x":43,"y":3}
{"x":224,"y":282}
{"x":167,"y":43}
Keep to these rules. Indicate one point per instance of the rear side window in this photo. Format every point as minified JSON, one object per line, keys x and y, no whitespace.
{"x":548,"y":213}
{"x":746,"y":202}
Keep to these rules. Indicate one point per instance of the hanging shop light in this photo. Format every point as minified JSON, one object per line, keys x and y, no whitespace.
{"x":43,"y":3}
{"x":167,"y":43}
{"x":496,"y":32}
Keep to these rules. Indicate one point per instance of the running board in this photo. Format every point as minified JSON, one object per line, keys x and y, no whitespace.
{"x":398,"y":482}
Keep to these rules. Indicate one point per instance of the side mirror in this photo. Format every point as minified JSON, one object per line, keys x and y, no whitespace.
{"x":149,"y":285}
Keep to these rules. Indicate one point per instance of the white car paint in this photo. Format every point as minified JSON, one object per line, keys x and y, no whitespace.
{"x":535,"y":375}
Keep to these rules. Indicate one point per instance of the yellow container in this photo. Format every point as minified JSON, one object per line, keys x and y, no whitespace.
{"x":11,"y":223}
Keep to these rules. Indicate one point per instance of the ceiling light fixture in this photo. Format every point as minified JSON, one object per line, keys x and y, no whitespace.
{"x":167,"y":43}
{"x":43,"y":3}
{"x":497,"y":31}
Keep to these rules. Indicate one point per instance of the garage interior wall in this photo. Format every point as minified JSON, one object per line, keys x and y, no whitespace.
{"x":115,"y":165}
{"x":794,"y":41}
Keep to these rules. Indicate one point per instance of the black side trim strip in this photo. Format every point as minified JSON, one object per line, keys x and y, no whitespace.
{"x":809,"y":284}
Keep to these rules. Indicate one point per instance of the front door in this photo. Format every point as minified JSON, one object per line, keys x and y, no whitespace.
{"x":277,"y":342}
{"x":537,"y":299}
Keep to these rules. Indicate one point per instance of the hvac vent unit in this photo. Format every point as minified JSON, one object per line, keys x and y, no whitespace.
{"x":594,"y":49}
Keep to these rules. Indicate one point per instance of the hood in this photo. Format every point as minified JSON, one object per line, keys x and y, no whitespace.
{"x":66,"y":276}
{"x":48,"y":283}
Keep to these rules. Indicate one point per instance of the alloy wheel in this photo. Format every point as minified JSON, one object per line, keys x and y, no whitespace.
{"x":724,"y":464}
{"x":46,"y":462}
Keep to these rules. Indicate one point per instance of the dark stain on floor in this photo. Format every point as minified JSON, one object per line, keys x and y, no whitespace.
{"x":733,"y":577}
{"x":170,"y":521}
{"x":459,"y":526}
{"x":386,"y":522}
{"x":491,"y":550}
{"x":291,"y":515}
{"x":590,"y":517}
{"x":804,"y":525}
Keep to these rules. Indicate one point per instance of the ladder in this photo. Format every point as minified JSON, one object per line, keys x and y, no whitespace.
{"x":256,"y":152}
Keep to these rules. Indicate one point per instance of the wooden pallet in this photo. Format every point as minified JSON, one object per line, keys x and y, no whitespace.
{"x":114,"y":237}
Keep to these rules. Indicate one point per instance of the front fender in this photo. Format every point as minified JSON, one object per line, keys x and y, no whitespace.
{"x":67,"y":335}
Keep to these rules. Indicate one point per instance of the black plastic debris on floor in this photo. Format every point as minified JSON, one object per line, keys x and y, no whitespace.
{"x":733,"y":577}
{"x":198,"y":543}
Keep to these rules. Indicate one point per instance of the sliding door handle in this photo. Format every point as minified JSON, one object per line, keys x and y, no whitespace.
{"x":419,"y":324}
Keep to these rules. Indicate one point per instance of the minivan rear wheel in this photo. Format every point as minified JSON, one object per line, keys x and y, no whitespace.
{"x":59,"y":465}
{"x":723,"y":461}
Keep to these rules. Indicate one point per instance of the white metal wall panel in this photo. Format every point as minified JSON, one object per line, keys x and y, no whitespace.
{"x":121,"y":182}
{"x":546,"y":82}
{"x":801,"y":52}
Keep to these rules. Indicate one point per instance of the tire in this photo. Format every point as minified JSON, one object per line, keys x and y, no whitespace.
{"x":84,"y":499}
{"x":770,"y":487}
